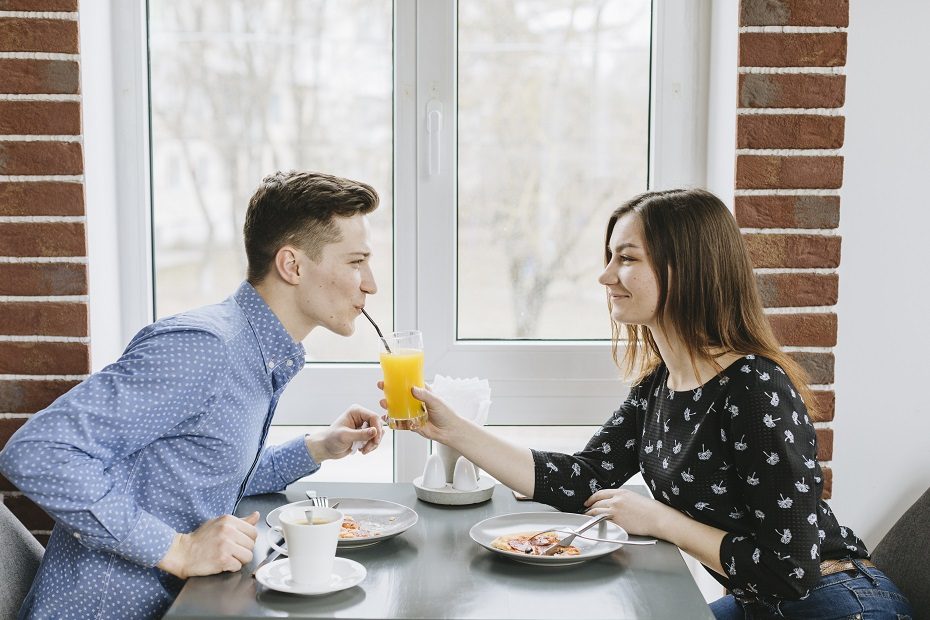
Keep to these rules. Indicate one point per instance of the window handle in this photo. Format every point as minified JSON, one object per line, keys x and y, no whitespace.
{"x":434,"y":135}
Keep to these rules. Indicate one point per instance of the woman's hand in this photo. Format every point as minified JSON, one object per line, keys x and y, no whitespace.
{"x":442,"y":421}
{"x":633,"y":512}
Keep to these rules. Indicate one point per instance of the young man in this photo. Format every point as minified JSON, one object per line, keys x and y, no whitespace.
{"x":142,"y":464}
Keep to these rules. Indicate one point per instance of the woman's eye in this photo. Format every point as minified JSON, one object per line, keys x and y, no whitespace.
{"x":627,"y":259}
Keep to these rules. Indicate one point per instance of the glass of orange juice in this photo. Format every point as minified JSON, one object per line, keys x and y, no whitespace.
{"x":403,"y":369}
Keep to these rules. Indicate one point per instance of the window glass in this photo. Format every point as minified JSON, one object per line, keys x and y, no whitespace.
{"x":553,"y":124}
{"x":240,"y":89}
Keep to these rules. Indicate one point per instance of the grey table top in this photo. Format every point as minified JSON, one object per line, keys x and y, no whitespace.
{"x":435,"y":570}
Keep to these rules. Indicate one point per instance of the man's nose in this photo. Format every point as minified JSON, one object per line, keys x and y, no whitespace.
{"x":369,"y":286}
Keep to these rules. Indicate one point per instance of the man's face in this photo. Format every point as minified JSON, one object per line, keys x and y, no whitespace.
{"x":333,"y":289}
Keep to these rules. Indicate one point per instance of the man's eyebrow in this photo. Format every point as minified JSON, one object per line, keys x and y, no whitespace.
{"x":359,"y":253}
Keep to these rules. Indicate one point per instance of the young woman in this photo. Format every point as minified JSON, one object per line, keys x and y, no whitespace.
{"x":718,"y":421}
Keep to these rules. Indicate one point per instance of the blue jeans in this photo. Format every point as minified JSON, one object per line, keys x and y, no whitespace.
{"x":867,"y":594}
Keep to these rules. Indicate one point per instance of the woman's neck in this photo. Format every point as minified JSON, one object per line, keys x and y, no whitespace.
{"x":681,"y":371}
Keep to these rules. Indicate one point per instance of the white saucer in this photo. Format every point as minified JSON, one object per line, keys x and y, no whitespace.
{"x":277,"y":576}
{"x":453,"y":497}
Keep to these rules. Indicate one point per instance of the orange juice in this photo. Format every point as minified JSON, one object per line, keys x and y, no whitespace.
{"x":403,"y":369}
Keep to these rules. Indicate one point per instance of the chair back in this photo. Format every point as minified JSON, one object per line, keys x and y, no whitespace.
{"x":903,"y":554}
{"x":21,"y":554}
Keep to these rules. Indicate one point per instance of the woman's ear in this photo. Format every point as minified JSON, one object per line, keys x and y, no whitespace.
{"x":287,"y":264}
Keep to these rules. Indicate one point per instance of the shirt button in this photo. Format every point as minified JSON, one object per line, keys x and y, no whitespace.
{"x":290,"y":362}
{"x":77,"y":535}
{"x":270,"y":364}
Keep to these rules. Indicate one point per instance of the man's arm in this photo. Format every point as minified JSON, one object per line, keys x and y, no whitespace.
{"x":61,"y":458}
{"x":281,"y":465}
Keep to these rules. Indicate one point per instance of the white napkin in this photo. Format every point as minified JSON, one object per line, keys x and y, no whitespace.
{"x":357,"y":445}
{"x":470,"y":398}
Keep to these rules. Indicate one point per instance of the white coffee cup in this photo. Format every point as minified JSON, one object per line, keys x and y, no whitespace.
{"x":311,"y":546}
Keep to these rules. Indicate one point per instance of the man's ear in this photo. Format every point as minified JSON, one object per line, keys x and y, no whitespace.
{"x":287,"y":264}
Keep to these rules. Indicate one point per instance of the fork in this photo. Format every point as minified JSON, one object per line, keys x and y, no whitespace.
{"x":567,"y":540}
{"x":644,"y":541}
{"x":318,"y":501}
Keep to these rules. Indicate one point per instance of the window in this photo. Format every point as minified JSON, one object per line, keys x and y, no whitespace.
{"x":499,"y":135}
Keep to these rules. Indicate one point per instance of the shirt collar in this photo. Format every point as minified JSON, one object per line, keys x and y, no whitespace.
{"x":277,"y":346}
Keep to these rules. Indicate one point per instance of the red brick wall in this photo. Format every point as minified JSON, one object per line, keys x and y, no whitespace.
{"x":43,"y":267}
{"x":790,"y":127}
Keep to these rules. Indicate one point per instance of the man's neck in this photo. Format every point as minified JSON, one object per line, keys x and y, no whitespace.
{"x":280,"y":302}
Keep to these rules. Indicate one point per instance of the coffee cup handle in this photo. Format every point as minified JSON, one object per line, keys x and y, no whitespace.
{"x":276,"y":529}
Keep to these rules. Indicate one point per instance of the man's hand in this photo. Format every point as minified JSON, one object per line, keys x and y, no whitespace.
{"x":336,"y":441}
{"x":223,"y":544}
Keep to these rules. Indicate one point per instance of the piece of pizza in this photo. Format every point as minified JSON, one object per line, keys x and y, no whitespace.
{"x":527,"y":543}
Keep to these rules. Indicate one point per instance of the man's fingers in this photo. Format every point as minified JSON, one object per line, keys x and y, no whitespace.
{"x":252,"y":519}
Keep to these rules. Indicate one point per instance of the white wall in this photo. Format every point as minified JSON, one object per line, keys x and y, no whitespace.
{"x":881,"y":458}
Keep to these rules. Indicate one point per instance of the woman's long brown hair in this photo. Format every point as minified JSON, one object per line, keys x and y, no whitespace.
{"x":707,"y":289}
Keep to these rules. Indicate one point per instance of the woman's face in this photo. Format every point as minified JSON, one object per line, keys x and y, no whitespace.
{"x":630,"y":281}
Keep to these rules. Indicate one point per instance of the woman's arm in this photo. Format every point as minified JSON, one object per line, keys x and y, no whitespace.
{"x":644,"y":516}
{"x":510,"y":464}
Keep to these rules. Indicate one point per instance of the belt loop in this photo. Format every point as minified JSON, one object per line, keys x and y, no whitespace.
{"x":862,"y":570}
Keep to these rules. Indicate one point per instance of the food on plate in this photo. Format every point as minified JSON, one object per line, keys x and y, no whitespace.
{"x":529,"y":544}
{"x":353,"y":529}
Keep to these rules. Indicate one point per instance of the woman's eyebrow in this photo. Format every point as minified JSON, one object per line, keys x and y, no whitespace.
{"x":624,"y":246}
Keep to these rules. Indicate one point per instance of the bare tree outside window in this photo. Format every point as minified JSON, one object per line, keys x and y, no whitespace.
{"x":240,"y":89}
{"x":553,"y":115}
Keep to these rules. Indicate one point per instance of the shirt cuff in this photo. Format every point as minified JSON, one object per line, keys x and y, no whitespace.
{"x":292,"y":460}
{"x":148,"y":542}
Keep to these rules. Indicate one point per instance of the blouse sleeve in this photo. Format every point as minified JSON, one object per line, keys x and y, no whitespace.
{"x":775,"y":452}
{"x":610,"y":459}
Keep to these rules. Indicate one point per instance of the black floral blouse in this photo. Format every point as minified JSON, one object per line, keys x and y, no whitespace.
{"x":738,"y":453}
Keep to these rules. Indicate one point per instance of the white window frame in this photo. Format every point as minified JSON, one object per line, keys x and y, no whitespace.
{"x":547,"y":383}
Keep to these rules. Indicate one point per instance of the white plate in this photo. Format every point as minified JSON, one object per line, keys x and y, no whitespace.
{"x":387,"y":519}
{"x":277,"y":576}
{"x":528,"y":522}
{"x":453,"y":497}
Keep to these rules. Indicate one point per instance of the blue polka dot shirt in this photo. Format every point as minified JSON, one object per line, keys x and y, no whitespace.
{"x":166,"y":438}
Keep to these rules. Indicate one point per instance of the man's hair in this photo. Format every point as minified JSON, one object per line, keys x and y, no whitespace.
{"x":299,"y":209}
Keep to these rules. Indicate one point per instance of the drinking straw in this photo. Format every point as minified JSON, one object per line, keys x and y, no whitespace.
{"x":377,"y":329}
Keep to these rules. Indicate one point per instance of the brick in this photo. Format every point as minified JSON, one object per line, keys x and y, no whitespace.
{"x":41,"y":198}
{"x":777,"y":49}
{"x":44,"y":358}
{"x":824,"y":444}
{"x":794,"y":13}
{"x":825,"y":401}
{"x":827,"y":483}
{"x":51,"y":77}
{"x":8,"y":426}
{"x":780,"y":290}
{"x":40,"y":158}
{"x":795,"y":251}
{"x":38,"y":279}
{"x":818,"y":366}
{"x":52,"y":118}
{"x":804,"y":330}
{"x":43,"y":239}
{"x":43,"y":319}
{"x":789,"y":131}
{"x":787,"y":211}
{"x":788,"y":172}
{"x":30,"y":34}
{"x":31,"y":396}
{"x":28,"y":512}
{"x":791,"y":91}
{"x":69,"y":6}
